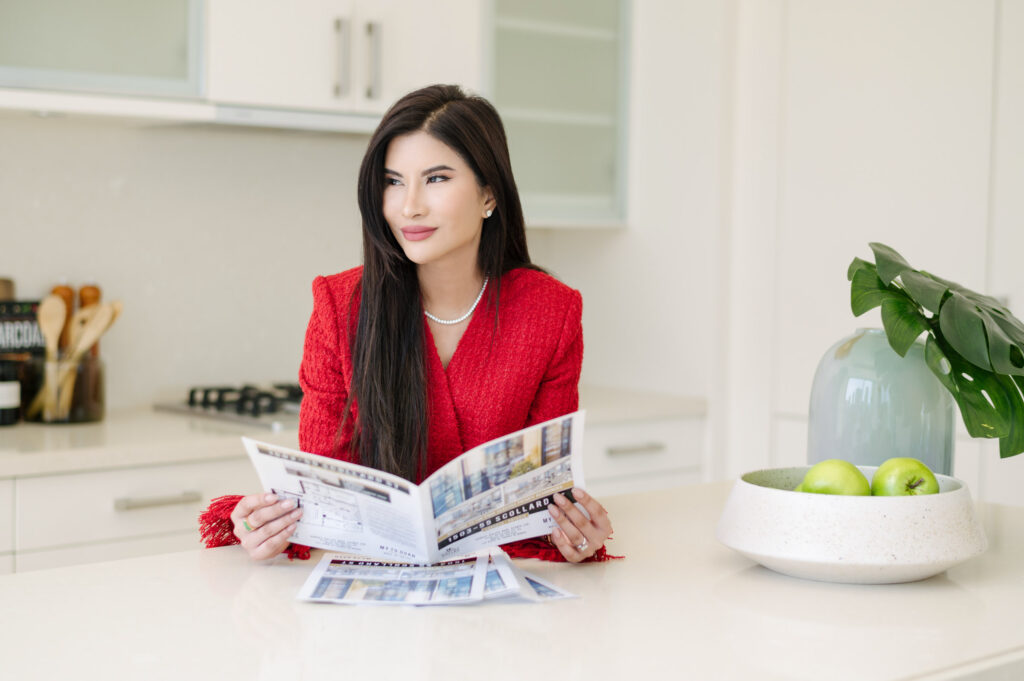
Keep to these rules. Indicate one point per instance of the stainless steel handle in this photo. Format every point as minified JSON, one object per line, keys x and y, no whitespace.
{"x":644,"y":448}
{"x":344,"y":80}
{"x":133,"y":503}
{"x":373,"y":41}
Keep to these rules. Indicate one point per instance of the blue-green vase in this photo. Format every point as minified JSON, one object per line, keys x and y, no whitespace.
{"x":868,"y":404}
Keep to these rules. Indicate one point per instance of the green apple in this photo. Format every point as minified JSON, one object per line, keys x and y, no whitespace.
{"x":903,"y":476}
{"x":835,"y":476}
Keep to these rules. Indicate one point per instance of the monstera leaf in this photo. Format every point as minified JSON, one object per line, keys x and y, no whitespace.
{"x":974,"y":345}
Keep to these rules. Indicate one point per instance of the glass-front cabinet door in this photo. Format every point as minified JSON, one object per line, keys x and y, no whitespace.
{"x":559,"y":81}
{"x":137,"y":47}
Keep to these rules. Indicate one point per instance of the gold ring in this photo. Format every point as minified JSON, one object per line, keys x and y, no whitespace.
{"x":246,"y":523}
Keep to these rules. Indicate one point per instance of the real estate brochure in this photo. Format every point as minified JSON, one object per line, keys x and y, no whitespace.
{"x":493,"y":494}
{"x":339,"y":578}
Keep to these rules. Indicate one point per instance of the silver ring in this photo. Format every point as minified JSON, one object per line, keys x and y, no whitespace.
{"x":582,"y":546}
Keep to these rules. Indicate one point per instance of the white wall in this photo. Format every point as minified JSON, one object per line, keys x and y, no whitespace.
{"x":857,"y":122}
{"x":210,"y":236}
{"x":649,"y":308}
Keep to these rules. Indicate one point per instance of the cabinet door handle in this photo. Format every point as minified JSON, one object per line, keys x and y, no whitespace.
{"x":343,"y":81}
{"x":643,"y":448}
{"x":134,"y":503}
{"x":373,"y":40}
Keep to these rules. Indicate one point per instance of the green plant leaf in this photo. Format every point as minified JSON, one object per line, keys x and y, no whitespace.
{"x":964,"y":329}
{"x":867,"y":292}
{"x":859,"y":264}
{"x":1013,"y":443}
{"x":890,"y":263}
{"x":926,"y":291}
{"x":1010,"y":325}
{"x":975,"y":346}
{"x":1007,"y":356}
{"x":903,"y":323}
{"x":980,"y":298}
{"x":966,"y":383}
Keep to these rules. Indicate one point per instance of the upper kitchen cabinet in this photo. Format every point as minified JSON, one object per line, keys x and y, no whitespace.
{"x":107,"y":46}
{"x":559,"y":76}
{"x":339,"y":56}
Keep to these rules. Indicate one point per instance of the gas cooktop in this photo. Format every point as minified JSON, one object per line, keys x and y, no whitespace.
{"x":275,"y":407}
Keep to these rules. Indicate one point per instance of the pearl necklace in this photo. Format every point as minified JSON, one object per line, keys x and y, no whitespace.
{"x":448,"y":322}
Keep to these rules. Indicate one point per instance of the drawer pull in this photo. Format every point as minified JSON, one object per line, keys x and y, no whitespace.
{"x":645,"y":448}
{"x":131,"y":504}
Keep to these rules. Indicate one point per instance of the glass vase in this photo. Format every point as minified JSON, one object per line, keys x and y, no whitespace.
{"x":868,"y":404}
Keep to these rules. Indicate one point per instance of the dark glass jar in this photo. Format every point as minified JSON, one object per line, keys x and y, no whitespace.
{"x":10,"y":392}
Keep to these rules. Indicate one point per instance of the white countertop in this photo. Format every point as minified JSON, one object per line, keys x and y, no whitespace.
{"x":142,"y":436}
{"x":130,"y":437}
{"x":679,"y":606}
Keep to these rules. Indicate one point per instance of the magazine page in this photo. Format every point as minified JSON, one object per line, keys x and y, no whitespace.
{"x":338,"y":579}
{"x":500,"y":491}
{"x":345,"y":507}
{"x":501,"y":579}
{"x":542,"y":590}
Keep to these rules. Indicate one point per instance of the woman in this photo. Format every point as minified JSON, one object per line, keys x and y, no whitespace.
{"x":447,"y":336}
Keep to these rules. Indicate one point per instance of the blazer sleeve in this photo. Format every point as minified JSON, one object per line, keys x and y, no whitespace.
{"x":322,"y":376}
{"x":558,"y":393}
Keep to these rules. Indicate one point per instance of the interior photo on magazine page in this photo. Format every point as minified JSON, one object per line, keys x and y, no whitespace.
{"x":499,"y":492}
{"x":493,"y":494}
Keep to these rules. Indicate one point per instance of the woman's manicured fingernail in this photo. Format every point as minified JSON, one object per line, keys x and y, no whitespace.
{"x":296,"y":513}
{"x":270,"y":498}
{"x":288,"y":504}
{"x":554,"y":511}
{"x":578,"y":493}
{"x":561,"y":500}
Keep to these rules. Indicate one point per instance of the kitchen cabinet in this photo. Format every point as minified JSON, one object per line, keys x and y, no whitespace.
{"x":620,"y":458}
{"x":122,"y":504}
{"x":355,"y":56}
{"x":119,"y":513}
{"x":131,"y":485}
{"x":566,"y":131}
{"x":6,"y":526}
{"x":106,"y":46}
{"x":641,"y":441}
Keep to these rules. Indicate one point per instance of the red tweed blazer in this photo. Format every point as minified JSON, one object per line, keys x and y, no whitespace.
{"x":498,"y":381}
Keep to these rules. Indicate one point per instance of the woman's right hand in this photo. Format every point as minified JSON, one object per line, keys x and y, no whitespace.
{"x":264,"y":525}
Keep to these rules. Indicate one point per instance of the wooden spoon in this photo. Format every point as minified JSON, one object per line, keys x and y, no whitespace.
{"x":91,"y":332}
{"x":51,"y":316}
{"x":78,"y":322}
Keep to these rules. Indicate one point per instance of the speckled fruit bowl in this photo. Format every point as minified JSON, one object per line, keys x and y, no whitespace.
{"x":852,"y":539}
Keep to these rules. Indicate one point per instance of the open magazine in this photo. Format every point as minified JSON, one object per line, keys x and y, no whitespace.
{"x":493,"y":494}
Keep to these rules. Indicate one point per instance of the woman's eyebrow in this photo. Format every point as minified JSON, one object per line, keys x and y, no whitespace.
{"x":388,"y":171}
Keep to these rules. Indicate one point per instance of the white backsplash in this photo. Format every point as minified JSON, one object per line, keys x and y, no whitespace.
{"x":210,"y":236}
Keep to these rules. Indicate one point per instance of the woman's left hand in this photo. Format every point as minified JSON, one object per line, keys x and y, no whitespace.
{"x":577,"y":536}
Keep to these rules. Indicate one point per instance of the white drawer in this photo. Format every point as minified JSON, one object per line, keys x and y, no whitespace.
{"x":6,"y":516}
{"x":65,"y":510}
{"x":642,"y":448}
{"x":104,"y":551}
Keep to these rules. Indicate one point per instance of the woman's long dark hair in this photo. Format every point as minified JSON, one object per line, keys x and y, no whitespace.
{"x":389,"y":366}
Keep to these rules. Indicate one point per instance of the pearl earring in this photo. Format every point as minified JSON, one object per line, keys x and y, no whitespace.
{"x":488,"y":213}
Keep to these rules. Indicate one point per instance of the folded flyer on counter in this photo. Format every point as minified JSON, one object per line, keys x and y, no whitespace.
{"x":493,"y":494}
{"x":338,"y":578}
